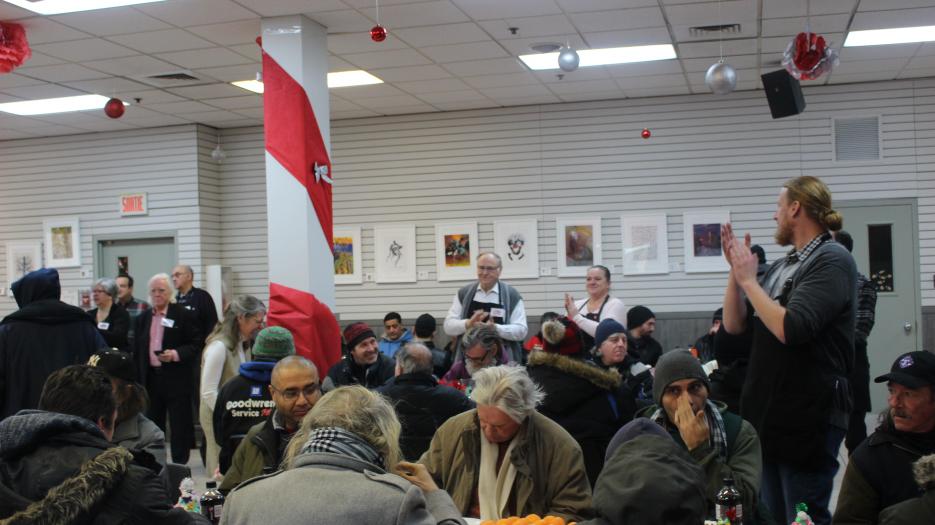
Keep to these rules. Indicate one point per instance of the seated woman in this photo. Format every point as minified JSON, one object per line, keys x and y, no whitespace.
{"x":111,"y":319}
{"x":338,"y":470}
{"x":610,"y":352}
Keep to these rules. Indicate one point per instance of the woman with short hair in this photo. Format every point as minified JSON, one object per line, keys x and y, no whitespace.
{"x":111,"y":319}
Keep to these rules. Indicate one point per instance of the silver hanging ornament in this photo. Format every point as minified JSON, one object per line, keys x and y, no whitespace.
{"x":721,"y":78}
{"x":568,"y":59}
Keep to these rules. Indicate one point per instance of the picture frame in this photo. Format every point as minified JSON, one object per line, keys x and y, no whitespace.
{"x":645,"y":244}
{"x":456,"y":249}
{"x":62,"y":242}
{"x":702,"y":241}
{"x":577,"y":245}
{"x":22,"y":257}
{"x":517,"y":243}
{"x":347,"y":255}
{"x":394,"y":253}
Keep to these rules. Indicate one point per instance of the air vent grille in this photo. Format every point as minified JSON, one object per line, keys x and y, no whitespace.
{"x":174,"y":76}
{"x":715,"y":30}
{"x":857,"y":138}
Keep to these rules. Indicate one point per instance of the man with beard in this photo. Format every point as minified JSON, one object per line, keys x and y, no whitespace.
{"x":363,"y":363}
{"x":481,"y":348}
{"x":801,"y":315}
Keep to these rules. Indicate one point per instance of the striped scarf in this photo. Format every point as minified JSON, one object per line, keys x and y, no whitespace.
{"x":336,"y":440}
{"x":717,"y":433}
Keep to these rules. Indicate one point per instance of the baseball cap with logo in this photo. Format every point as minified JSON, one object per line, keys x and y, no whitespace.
{"x":913,"y":370}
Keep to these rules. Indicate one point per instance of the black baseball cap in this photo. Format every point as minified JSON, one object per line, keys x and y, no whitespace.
{"x":913,"y":370}
{"x":116,"y":363}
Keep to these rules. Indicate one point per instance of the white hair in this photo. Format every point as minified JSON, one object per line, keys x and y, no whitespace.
{"x":163,"y":277}
{"x":509,"y":388}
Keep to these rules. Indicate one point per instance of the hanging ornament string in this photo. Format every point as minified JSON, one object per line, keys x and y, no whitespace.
{"x":720,"y":32}
{"x":720,"y":78}
{"x":378,"y":32}
{"x":807,"y":56}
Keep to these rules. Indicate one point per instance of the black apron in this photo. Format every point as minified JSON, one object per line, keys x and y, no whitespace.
{"x":586,"y":339}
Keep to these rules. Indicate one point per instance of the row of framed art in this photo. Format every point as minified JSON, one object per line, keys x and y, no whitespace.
{"x":578,"y":247}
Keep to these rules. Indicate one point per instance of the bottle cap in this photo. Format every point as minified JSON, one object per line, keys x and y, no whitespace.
{"x":211,"y":484}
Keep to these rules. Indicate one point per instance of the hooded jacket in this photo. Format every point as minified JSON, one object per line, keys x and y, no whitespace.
{"x":43,"y":326}
{"x":58,"y":468}
{"x":389,"y":347}
{"x":243,"y":401}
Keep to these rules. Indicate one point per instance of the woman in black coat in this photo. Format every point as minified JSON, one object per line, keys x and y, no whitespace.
{"x":111,"y":319}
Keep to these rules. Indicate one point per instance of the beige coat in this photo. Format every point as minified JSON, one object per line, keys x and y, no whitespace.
{"x":231,"y":368}
{"x":550,"y":474}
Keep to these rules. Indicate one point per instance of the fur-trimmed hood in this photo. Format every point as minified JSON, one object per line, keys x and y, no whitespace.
{"x":924,"y":472}
{"x":605,"y":379}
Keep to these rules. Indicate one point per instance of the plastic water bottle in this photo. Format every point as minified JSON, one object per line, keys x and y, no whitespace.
{"x":212,"y":502}
{"x":727,"y":504}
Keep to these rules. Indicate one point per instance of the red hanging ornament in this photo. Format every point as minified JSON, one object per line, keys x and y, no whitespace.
{"x":378,"y":33}
{"x":114,"y":108}
{"x":646,"y":133}
{"x":14,"y":49}
{"x":808,"y":57}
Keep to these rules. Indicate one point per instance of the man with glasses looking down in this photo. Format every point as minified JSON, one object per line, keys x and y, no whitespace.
{"x":295,"y":388}
{"x":492,"y":302}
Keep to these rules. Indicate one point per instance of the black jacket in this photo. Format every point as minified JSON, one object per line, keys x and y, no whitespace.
{"x":242,"y":402}
{"x":118,"y":327}
{"x":43,"y":326}
{"x":347,"y":372}
{"x":201,"y":305}
{"x":182,"y":336}
{"x":57,"y":468}
{"x":422,"y":405}
{"x":646,"y":349}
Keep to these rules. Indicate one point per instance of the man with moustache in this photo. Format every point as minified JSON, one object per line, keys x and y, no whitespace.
{"x":363,"y":363}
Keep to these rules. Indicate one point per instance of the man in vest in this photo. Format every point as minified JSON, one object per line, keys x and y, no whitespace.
{"x":490,"y":301}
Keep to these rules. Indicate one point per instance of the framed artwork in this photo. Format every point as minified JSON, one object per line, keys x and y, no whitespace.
{"x":347,"y":255}
{"x":703,"y":241}
{"x":62,"y":242}
{"x":394,"y":253}
{"x":456,"y":251}
{"x":22,"y":257}
{"x":577,"y":245}
{"x":645,"y":244}
{"x":516,"y":241}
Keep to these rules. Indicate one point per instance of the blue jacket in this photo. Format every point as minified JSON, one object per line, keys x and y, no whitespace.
{"x":389,"y":348}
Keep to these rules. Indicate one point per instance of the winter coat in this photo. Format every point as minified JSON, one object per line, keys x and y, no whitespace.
{"x":442,"y":359}
{"x":911,"y":512}
{"x":118,"y":327}
{"x":347,"y":372}
{"x":140,"y":433}
{"x":58,"y":468}
{"x":646,"y":349}
{"x":330,"y":488}
{"x":422,"y":405}
{"x":242,"y":402}
{"x":389,"y":348}
{"x":258,"y":450}
{"x":183,"y":336}
{"x":879,"y":473}
{"x":550,"y":474}
{"x":585,"y":400}
{"x":43,"y":326}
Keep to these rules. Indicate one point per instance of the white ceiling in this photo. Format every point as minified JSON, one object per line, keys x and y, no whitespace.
{"x":441,"y":55}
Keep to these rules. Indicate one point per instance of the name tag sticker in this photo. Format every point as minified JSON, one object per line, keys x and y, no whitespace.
{"x":168,"y":323}
{"x":103,"y":326}
{"x":498,"y":312}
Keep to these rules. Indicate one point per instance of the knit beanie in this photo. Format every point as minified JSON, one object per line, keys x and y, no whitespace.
{"x":354,"y":333}
{"x":425,"y":325}
{"x":673,"y":366}
{"x":561,"y":336}
{"x":273,"y":343}
{"x":638,"y":315}
{"x":605,"y":329}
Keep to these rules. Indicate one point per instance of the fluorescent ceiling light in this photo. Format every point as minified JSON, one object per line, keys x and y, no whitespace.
{"x":897,"y":35}
{"x":603,"y":57}
{"x":55,"y":105}
{"x":57,"y":7}
{"x":340,"y":79}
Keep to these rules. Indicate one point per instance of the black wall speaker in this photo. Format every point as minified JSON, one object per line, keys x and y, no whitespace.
{"x":784,"y":93}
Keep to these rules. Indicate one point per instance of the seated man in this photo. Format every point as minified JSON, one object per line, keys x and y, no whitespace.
{"x":720,"y":442}
{"x":363,"y":364}
{"x":58,"y":465}
{"x":421,"y":403}
{"x":704,"y":345}
{"x":481,"y":347}
{"x":295,"y":389}
{"x":504,"y":458}
{"x":425,"y":334}
{"x":395,"y":335}
{"x":641,"y":322}
{"x":879,"y":473}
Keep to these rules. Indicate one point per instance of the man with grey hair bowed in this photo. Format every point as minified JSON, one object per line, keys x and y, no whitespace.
{"x":506,"y":459}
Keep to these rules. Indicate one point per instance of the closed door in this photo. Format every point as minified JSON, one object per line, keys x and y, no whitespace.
{"x":141,"y":258}
{"x":886,"y":251}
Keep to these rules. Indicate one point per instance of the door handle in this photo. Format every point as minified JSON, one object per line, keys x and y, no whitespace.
{"x":907,"y":327}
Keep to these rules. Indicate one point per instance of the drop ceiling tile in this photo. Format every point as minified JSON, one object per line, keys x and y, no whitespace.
{"x":207,"y":91}
{"x":916,"y":72}
{"x":379,"y":103}
{"x":925,"y":61}
{"x":649,"y":81}
{"x":408,"y":110}
{"x":353,"y":113}
{"x":11,"y":12}
{"x":583,"y":6}
{"x":461,"y":52}
{"x":581,"y":96}
{"x":141,"y":65}
{"x":452,"y":96}
{"x":894,"y":18}
{"x":336,"y":64}
{"x":360,"y":43}
{"x":84,"y":50}
{"x":565,"y":87}
{"x":695,"y":65}
{"x":485,"y":67}
{"x":633,"y":37}
{"x":491,"y":9}
{"x":526,"y":101}
{"x":788,"y":8}
{"x":361,"y":4}
{"x":143,"y":117}
{"x":211,"y":117}
{"x":523,"y":46}
{"x":117,"y":21}
{"x":229,"y":33}
{"x":928,"y":48}
{"x":459,"y":105}
{"x":881,"y":5}
{"x":154,"y":96}
{"x":531,"y":90}
{"x":746,"y":46}
{"x":793,"y":26}
{"x":582,"y":73}
{"x":410,"y":73}
{"x":61,"y":73}
{"x":357,"y":93}
{"x":162,"y":41}
{"x":658,"y":91}
{"x":42,"y":91}
{"x":701,"y":14}
{"x":230,"y":73}
{"x":442,"y":34}
{"x":251,"y":51}
{"x":202,"y":12}
{"x":202,"y":58}
{"x":507,"y":79}
{"x":529,"y":27}
{"x":854,"y":67}
{"x":339,"y":104}
{"x":397,"y":58}
{"x":344,"y":21}
{"x":290,"y":7}
{"x":877,"y":52}
{"x":38,"y":59}
{"x":618,"y":19}
{"x":42,"y":30}
{"x":866,"y":76}
{"x":106,"y":86}
{"x":241,"y":123}
{"x":656,"y":67}
{"x":238,"y":102}
{"x":3,"y":99}
{"x":180,"y":108}
{"x":420,"y":14}
{"x":432,"y":86}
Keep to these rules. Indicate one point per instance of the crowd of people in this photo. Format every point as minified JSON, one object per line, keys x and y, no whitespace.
{"x":589,"y":419}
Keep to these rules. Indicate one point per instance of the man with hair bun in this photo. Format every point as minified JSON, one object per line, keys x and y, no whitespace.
{"x":801,"y":315}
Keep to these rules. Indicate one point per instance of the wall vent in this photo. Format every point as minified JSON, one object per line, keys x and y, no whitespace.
{"x":715,"y":30}
{"x":856,"y":138}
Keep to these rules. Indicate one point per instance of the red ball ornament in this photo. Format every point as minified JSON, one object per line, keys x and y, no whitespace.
{"x":378,"y":33}
{"x":646,"y":133}
{"x":114,"y":108}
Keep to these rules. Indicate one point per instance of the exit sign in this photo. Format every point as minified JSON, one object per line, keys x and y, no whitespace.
{"x":133,"y":204}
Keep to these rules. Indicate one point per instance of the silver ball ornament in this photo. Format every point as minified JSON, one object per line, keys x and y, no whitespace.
{"x":721,"y":78}
{"x":568,"y":59}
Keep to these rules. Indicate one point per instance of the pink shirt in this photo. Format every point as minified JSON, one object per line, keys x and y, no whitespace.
{"x":156,"y":331}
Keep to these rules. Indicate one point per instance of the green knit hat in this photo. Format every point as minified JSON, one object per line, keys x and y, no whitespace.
{"x":273,"y":343}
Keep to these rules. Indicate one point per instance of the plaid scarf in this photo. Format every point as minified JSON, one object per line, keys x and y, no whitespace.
{"x":717,"y":434}
{"x":336,"y":440}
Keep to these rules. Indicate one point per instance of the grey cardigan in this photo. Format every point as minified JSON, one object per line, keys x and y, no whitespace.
{"x":330,"y":488}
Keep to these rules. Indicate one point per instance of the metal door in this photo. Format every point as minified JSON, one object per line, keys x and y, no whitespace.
{"x":141,"y":258}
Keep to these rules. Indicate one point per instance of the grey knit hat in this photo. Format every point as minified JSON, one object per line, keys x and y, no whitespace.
{"x":273,"y":343}
{"x":673,"y":366}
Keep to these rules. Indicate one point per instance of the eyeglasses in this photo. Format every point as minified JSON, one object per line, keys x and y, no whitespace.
{"x":488,"y":268}
{"x":477,"y":360}
{"x":291,"y":394}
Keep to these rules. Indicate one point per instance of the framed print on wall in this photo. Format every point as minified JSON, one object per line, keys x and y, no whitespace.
{"x":62,"y":238}
{"x":22,"y":257}
{"x":577,"y":245}
{"x":703,"y":241}
{"x":347,"y":255}
{"x":394,"y":253}
{"x":516,"y":241}
{"x":645,"y":244}
{"x":456,"y":251}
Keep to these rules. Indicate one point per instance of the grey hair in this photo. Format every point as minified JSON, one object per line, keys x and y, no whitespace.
{"x":109,"y":285}
{"x":509,"y":388}
{"x":228,"y":329}
{"x":163,"y":277}
{"x":414,"y":358}
{"x":492,"y":254}
{"x":484,"y":335}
